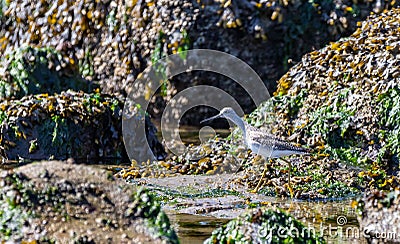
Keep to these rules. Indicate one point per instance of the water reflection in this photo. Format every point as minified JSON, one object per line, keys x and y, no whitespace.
{"x":194,"y":228}
{"x":194,"y":135}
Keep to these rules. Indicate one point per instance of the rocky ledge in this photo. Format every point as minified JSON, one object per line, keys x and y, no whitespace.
{"x":60,"y":201}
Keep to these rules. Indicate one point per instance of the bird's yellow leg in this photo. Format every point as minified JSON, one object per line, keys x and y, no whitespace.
{"x":289,"y":184}
{"x":260,"y":181}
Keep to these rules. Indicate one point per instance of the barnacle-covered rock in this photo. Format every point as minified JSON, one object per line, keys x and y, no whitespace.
{"x":264,"y":226}
{"x":113,"y":41}
{"x":62,"y":202}
{"x":69,"y":124}
{"x":343,"y":101}
{"x":30,"y":70}
{"x":379,"y":216}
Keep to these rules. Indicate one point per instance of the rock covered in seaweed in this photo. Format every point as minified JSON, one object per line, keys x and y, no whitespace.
{"x":31,"y":70}
{"x":347,"y":85}
{"x":58,"y":202}
{"x":343,"y":101}
{"x":69,"y":124}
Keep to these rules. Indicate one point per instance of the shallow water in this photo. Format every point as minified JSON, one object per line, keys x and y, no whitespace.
{"x":194,"y":228}
{"x":194,"y":134}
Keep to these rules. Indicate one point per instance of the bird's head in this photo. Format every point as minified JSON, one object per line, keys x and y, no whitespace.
{"x":227,"y":113}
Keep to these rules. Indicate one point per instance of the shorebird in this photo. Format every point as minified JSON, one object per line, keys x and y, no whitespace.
{"x":261,"y":142}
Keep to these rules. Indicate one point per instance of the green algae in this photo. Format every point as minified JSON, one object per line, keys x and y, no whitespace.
{"x":12,"y":220}
{"x":146,"y":206}
{"x":184,"y":45}
{"x":167,"y":195}
{"x":159,"y":67}
{"x":389,"y":111}
{"x":18,"y":201}
{"x":32,"y":70}
{"x":265,"y":114}
{"x":85,"y":65}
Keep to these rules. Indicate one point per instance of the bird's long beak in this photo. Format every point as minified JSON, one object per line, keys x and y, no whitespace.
{"x":214,"y":117}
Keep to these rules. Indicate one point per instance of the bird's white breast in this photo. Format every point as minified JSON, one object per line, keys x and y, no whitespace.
{"x":257,"y":148}
{"x":267,"y":151}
